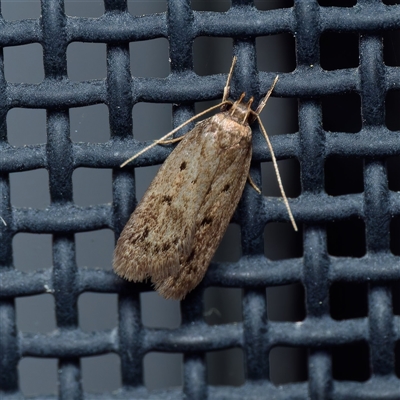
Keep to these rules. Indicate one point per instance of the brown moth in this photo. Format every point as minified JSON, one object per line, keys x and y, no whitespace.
{"x":176,"y":228}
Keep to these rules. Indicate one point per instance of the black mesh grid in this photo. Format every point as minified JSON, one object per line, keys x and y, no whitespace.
{"x":317,"y":270}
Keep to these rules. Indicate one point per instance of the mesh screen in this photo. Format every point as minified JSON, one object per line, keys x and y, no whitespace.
{"x":343,"y":343}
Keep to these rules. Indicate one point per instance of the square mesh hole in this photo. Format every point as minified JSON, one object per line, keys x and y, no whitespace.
{"x":339,"y":50}
{"x":162,"y":370}
{"x":86,"y":9}
{"x":351,"y":362}
{"x":32,"y":252}
{"x":344,"y":176}
{"x":201,"y":5}
{"x":346,"y":238}
{"x":225,"y":367}
{"x":392,"y":107}
{"x":341,"y":113}
{"x":89,"y":124}
{"x":26,"y":127}
{"x":24,"y":64}
{"x":289,"y":171}
{"x":280,"y":116}
{"x":91,"y":186}
{"x":36,"y":183}
{"x":149,"y":58}
{"x":397,"y":359}
{"x":276,"y":53}
{"x":286,"y":303}
{"x":97,"y":311}
{"x":38,"y":376}
{"x":101,"y":374}
{"x":13,"y":10}
{"x":151,"y":121}
{"x":348,"y":300}
{"x":139,"y":8}
{"x":203,"y":106}
{"x":288,"y":365}
{"x":156,"y":312}
{"x":86,"y":61}
{"x":144,"y":176}
{"x":396,"y":298}
{"x":95,"y":249}
{"x":230,"y":248}
{"x":393,"y":166}
{"x":263,"y":5}
{"x":395,"y":235}
{"x":35,"y":313}
{"x":222,"y":305}
{"x":221,"y":60}
{"x":391,"y":48}
{"x":281,"y":241}
{"x":336,"y":3}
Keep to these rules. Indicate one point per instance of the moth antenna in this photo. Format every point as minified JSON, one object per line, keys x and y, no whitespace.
{"x":266,"y":97}
{"x":228,"y":81}
{"x":278,"y":175}
{"x":158,"y":141}
{"x":174,"y":140}
{"x":223,"y":102}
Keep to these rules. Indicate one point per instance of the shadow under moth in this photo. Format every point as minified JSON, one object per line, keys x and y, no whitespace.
{"x":176,"y":228}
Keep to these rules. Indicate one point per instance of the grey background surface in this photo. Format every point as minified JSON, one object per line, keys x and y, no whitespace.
{"x":94,"y":249}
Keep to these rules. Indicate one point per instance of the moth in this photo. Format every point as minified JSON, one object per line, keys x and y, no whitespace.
{"x":176,"y":228}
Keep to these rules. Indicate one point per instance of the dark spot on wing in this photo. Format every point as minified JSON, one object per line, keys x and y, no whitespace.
{"x":167,"y":199}
{"x":166,"y":247}
{"x":183,"y":166}
{"x":206,"y":221}
{"x":226,"y":187}
{"x":191,"y":257}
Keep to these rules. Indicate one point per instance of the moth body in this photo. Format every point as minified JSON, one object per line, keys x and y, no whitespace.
{"x":176,"y":228}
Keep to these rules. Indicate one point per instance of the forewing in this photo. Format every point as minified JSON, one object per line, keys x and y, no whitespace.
{"x":211,"y":222}
{"x":161,"y":230}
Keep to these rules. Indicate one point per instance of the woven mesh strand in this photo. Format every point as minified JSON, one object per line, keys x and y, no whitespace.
{"x":340,"y":81}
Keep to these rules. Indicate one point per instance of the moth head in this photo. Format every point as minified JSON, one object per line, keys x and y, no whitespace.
{"x":240,"y":111}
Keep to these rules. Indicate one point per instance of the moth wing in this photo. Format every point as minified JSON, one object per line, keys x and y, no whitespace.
{"x":161,"y":230}
{"x":212,"y":220}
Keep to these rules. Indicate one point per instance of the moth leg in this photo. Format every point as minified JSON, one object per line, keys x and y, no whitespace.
{"x":263,"y":102}
{"x":163,"y":139}
{"x":278,"y":176}
{"x":228,"y":81}
{"x":253,"y":185}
